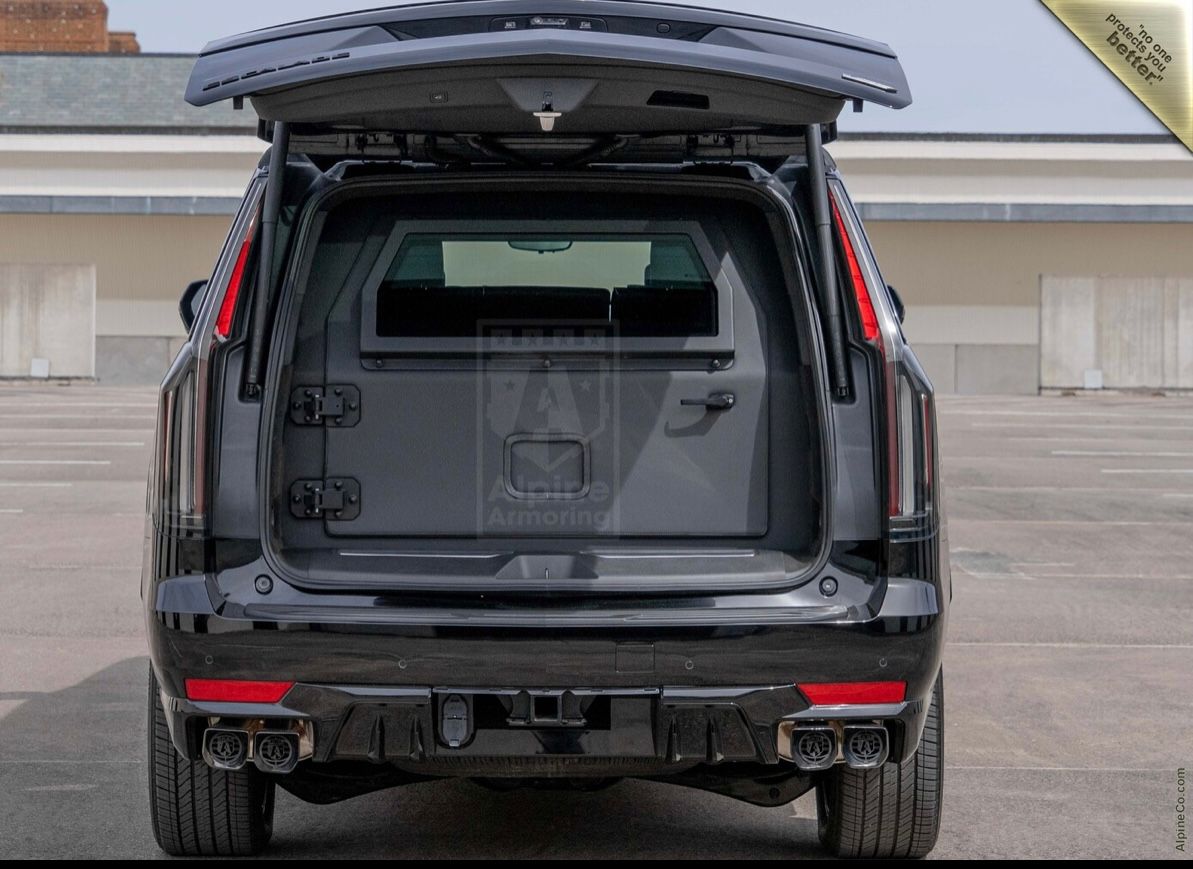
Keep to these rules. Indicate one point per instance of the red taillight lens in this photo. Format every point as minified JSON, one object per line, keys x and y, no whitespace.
{"x":864,"y":305}
{"x":854,"y":693}
{"x":234,"y":691}
{"x":223,"y":324}
{"x":899,"y":424}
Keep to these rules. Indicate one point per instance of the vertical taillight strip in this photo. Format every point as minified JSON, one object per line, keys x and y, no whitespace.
{"x":880,"y":327}
{"x":857,"y":281}
{"x":178,"y":481}
{"x":236,"y":285}
{"x":232,"y":281}
{"x":928,"y":417}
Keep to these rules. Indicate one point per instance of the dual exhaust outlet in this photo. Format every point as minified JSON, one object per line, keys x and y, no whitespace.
{"x":271,"y":751}
{"x":861,"y":746}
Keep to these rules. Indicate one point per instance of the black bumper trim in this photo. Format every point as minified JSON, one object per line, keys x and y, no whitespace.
{"x":197,"y":595}
{"x":646,"y":732}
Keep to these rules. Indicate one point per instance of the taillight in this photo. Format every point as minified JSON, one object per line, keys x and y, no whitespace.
{"x":174,"y":480}
{"x":236,"y":691}
{"x":865,"y":307}
{"x":233,"y":292}
{"x":854,"y":693}
{"x":907,"y":421}
{"x":907,"y":408}
{"x":179,"y":477}
{"x":917,"y":447}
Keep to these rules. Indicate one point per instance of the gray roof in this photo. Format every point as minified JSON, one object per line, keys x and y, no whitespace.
{"x":82,"y":93}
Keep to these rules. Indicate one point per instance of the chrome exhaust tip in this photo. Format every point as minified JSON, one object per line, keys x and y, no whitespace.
{"x":275,"y":751}
{"x":865,"y":746}
{"x":225,"y":748}
{"x":814,"y":748}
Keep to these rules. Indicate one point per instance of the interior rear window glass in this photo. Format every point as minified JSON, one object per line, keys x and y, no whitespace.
{"x":462,"y":286}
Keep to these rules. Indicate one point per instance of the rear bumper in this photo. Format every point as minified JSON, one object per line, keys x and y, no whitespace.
{"x":644,"y":732}
{"x":667,"y":691}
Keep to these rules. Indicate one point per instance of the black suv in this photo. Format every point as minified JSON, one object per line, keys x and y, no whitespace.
{"x":546,"y":421}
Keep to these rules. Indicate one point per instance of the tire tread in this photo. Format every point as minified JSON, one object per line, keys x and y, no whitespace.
{"x":893,"y":811}
{"x":197,"y":811}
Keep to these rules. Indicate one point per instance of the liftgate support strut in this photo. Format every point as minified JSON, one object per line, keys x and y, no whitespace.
{"x":822,"y":214}
{"x":269,"y":228}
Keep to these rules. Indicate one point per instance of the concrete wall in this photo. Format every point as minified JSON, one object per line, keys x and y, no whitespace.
{"x":141,"y":265}
{"x":47,"y":312}
{"x":1129,"y":333}
{"x":973,"y":289}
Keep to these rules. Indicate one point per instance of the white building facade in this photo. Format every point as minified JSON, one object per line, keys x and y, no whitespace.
{"x":1026,"y":262}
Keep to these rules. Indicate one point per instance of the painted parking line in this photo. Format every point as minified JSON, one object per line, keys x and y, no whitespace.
{"x":1084,"y":425}
{"x":1035,"y":575}
{"x":1072,"y":454}
{"x":1147,"y":470}
{"x":127,"y":432}
{"x":59,"y":404}
{"x":1068,"y":439}
{"x":1116,"y":523}
{"x":130,"y":444}
{"x":1097,"y":414}
{"x":22,"y":485}
{"x":1090,"y":490}
{"x":1120,"y":454}
{"x":53,"y":462}
{"x":999,"y":645}
{"x":1097,"y":769}
{"x":56,"y":762}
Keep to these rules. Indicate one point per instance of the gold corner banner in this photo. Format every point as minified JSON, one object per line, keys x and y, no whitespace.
{"x":1147,"y":44}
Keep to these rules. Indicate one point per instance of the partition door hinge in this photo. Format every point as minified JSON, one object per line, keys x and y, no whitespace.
{"x":336,"y":500}
{"x":337,"y":406}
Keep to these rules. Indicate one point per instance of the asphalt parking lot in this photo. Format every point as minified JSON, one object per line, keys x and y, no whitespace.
{"x":1069,"y":689}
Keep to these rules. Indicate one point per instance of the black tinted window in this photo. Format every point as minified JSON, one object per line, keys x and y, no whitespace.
{"x":465,"y":285}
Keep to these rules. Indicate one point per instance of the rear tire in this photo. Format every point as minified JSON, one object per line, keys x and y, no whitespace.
{"x":892,"y":811}
{"x":198,"y":811}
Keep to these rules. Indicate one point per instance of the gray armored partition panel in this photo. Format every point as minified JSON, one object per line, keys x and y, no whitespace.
{"x":483,"y":451}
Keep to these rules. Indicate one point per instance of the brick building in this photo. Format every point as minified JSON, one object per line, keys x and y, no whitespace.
{"x":71,"y":26}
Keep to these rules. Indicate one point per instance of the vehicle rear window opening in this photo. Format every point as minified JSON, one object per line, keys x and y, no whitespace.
{"x":470,"y":285}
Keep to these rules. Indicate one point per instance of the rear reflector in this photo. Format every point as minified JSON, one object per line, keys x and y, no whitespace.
{"x":864,"y":305}
{"x":854,"y":693}
{"x":223,"y":324}
{"x":233,"y":691}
